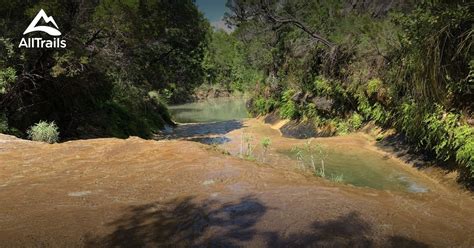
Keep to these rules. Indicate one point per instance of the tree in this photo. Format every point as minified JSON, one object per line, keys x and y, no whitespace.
{"x":117,"y":52}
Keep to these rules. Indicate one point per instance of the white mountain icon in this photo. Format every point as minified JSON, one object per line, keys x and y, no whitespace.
{"x":47,"y":19}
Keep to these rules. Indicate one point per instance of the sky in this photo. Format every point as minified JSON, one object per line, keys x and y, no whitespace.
{"x":214,"y":11}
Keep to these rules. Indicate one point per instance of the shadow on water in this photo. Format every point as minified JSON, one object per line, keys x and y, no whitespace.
{"x":397,"y":145}
{"x":191,"y":223}
{"x":202,"y":132}
{"x":203,"y":121}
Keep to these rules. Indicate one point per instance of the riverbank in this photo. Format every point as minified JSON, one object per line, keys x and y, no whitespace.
{"x":134,"y":192}
{"x":387,"y":141}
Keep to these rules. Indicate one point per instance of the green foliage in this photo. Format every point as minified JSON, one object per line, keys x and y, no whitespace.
{"x":7,"y":76}
{"x":44,"y":131}
{"x":310,"y":111}
{"x":373,"y":86}
{"x":465,"y":152}
{"x":471,"y":74}
{"x":322,"y":86}
{"x":117,"y":52}
{"x":447,"y":137}
{"x":373,"y":111}
{"x":313,"y":156}
{"x":266,"y":142}
{"x":343,"y":127}
{"x":225,"y":62}
{"x":356,"y":121}
{"x":260,"y":106}
{"x":288,"y":108}
{"x":409,"y":68}
{"x":435,"y":51}
{"x":158,"y":98}
{"x":264,"y":106}
{"x":337,"y":178}
{"x":439,"y":131}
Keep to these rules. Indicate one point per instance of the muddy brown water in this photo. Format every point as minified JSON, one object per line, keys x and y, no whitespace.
{"x":182,"y":193}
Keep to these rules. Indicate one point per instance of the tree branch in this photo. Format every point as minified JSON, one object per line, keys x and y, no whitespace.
{"x":295,"y":22}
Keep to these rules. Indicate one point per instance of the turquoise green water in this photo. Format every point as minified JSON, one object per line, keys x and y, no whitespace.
{"x":218,"y":109}
{"x":363,"y":168}
{"x":359,"y":167}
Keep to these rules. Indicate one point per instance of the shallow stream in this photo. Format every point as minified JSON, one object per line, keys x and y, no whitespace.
{"x":359,"y":167}
{"x":211,"y":121}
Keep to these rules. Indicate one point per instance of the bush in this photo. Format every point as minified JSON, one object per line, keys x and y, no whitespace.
{"x":310,"y":111}
{"x":375,"y":112}
{"x":44,"y":131}
{"x":342,"y":127}
{"x":373,"y":86}
{"x":322,"y":86}
{"x":259,"y":105}
{"x":263,"y":106}
{"x":7,"y":76}
{"x":356,"y":121}
{"x":440,"y":131}
{"x":289,"y":109}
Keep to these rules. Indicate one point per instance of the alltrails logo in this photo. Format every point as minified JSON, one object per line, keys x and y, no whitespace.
{"x":40,"y":42}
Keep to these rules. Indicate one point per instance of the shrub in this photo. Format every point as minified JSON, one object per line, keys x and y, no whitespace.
{"x":342,"y":127}
{"x":162,"y":98}
{"x":373,"y":86}
{"x":159,"y":103}
{"x":266,"y":142}
{"x":263,"y":106}
{"x":259,"y":105}
{"x":289,"y":109}
{"x":311,"y":111}
{"x":464,"y":141}
{"x":44,"y":131}
{"x":322,"y":86}
{"x":356,"y":121}
{"x":439,"y":131}
{"x":374,"y":111}
{"x":7,"y":76}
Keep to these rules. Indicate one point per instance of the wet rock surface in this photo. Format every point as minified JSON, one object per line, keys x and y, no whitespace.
{"x":299,"y":130}
{"x":168,"y":193}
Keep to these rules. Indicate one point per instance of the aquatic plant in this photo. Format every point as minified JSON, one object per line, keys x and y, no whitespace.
{"x":246,"y":147}
{"x":266,"y":142}
{"x":307,"y":152}
{"x":337,"y":178}
{"x":308,"y":155}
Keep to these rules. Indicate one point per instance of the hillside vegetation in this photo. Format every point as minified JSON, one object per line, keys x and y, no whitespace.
{"x":339,"y":64}
{"x":124,"y":60}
